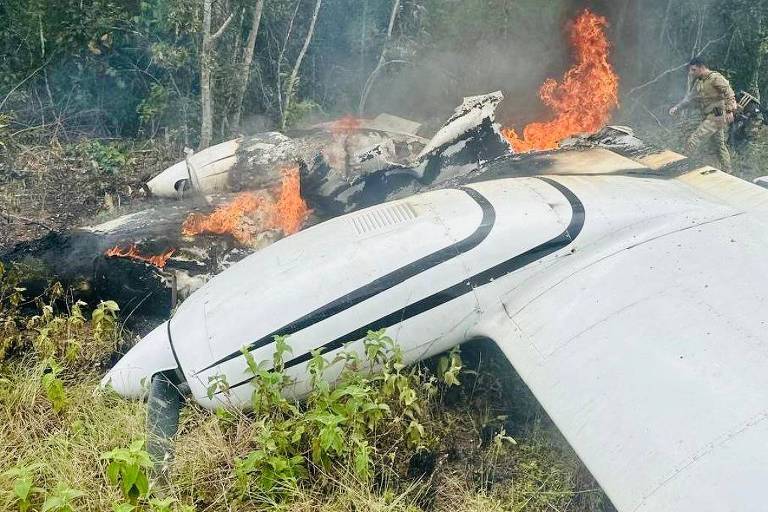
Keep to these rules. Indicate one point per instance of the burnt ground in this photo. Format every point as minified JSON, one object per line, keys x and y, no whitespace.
{"x":57,"y":187}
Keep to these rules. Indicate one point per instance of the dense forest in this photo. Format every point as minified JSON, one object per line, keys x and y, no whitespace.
{"x":195,"y":72}
{"x":98,"y":96}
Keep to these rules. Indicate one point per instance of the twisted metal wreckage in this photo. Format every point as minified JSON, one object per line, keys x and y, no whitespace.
{"x":625,"y":284}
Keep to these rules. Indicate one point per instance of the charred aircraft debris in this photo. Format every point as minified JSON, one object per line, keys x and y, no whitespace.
{"x":149,"y":259}
{"x":597,"y":269}
{"x":330,"y":169}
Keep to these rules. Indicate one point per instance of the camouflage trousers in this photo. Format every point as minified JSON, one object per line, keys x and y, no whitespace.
{"x":710,"y":130}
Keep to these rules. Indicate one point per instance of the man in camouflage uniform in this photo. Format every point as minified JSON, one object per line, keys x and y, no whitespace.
{"x":713,"y":98}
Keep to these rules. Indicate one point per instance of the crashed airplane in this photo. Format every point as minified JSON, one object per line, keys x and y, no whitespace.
{"x":625,"y":284}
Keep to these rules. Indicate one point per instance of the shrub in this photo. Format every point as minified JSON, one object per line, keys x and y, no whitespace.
{"x":376,"y":407}
{"x":68,"y":336}
{"x":128,"y":468}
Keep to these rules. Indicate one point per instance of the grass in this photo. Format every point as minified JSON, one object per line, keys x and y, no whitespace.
{"x":483,"y":444}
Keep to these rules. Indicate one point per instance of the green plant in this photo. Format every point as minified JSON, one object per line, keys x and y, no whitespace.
{"x":336,"y":425}
{"x":10,"y":299}
{"x":169,"y":505}
{"x":23,"y":478}
{"x":269,"y":384}
{"x":68,"y":336}
{"x":449,"y":366}
{"x":162,"y":505}
{"x":62,"y":499}
{"x":154,"y":105}
{"x":217,"y":384}
{"x":54,"y":386}
{"x":104,"y":320}
{"x":276,"y":465}
{"x":109,"y":157}
{"x":128,"y":468}
{"x":298,"y":110}
{"x":6,"y":142}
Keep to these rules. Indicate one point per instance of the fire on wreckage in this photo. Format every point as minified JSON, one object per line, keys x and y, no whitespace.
{"x":267,"y":187}
{"x":597,"y":268}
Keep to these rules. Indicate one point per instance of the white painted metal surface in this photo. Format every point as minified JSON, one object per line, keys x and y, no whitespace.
{"x":207,"y":171}
{"x":633,"y":307}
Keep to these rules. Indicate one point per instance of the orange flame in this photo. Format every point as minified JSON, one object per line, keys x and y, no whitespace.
{"x":583,"y":102}
{"x":287,"y":214}
{"x":291,"y":211}
{"x":132,"y":252}
{"x":225,"y":219}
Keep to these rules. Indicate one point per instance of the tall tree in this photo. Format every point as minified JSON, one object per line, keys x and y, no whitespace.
{"x":245,"y":65}
{"x":291,"y":84}
{"x":382,"y":58}
{"x":207,"y":57}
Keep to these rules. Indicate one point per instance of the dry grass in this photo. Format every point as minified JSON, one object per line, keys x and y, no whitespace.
{"x":66,"y":445}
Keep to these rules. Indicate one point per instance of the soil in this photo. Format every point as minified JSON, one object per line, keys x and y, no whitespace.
{"x":45,"y":188}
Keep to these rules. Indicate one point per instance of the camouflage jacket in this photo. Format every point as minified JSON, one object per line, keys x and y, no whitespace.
{"x":710,"y":92}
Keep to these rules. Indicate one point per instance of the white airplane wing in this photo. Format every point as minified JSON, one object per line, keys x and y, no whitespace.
{"x":647,"y":342}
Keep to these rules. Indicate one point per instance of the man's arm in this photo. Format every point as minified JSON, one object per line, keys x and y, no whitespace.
{"x":687,"y":99}
{"x":683,"y":103}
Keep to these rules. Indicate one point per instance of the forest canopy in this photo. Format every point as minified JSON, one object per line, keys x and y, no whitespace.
{"x":102,"y":68}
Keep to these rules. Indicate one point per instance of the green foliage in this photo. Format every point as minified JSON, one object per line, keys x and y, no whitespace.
{"x":168,"y":505}
{"x":109,"y":157}
{"x":10,"y":299}
{"x":42,"y":29}
{"x":68,"y":336}
{"x":53,"y":386}
{"x":217,"y":384}
{"x":298,"y":110}
{"x":104,"y":320}
{"x":23,"y":485}
{"x":339,"y":426}
{"x":5,"y":135}
{"x":128,"y":468}
{"x":62,"y":499}
{"x":347,"y":447}
{"x":449,"y":366}
{"x":154,"y":105}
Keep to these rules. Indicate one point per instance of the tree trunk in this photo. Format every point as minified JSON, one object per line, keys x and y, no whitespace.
{"x":382,"y":59}
{"x":279,"y":73}
{"x":245,"y":67}
{"x":289,"y":90}
{"x":760,"y":52}
{"x":206,"y":107}
{"x":206,"y":65}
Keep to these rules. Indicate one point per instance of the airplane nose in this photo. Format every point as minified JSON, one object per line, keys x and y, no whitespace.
{"x":132,"y":375}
